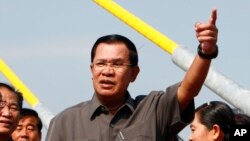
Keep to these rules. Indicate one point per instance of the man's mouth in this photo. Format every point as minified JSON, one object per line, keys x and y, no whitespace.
{"x":107,"y":83}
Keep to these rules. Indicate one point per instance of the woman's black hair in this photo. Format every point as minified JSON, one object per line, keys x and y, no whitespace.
{"x":217,"y":112}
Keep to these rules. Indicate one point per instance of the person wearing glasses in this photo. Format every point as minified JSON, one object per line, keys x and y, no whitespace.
{"x":113,"y":115}
{"x":29,"y":127}
{"x":11,"y":102}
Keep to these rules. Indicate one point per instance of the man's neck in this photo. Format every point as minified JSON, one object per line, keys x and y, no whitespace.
{"x":4,"y":137}
{"x":112,"y":103}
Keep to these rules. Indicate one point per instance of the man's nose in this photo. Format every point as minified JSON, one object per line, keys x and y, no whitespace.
{"x":6,"y":111}
{"x":108,"y":69}
{"x":24,"y":133}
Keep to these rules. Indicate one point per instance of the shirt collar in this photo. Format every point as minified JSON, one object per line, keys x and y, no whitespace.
{"x":97,"y":108}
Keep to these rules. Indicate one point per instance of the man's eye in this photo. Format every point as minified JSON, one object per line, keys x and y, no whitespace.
{"x":117,"y":64}
{"x":31,"y":128}
{"x":2,"y":104}
{"x":14,"y":107}
{"x":100,"y":64}
{"x":19,"y":128}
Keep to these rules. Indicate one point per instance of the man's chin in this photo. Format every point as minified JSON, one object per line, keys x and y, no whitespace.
{"x":5,"y":130}
{"x":106,"y":94}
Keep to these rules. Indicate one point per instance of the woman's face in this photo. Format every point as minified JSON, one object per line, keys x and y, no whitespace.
{"x":199,"y":131}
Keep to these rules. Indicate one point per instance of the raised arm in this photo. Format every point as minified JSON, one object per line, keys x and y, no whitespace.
{"x":207,"y":36}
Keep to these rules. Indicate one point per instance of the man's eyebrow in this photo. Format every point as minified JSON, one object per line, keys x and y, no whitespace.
{"x":13,"y":103}
{"x":110,"y":60}
{"x":31,"y":124}
{"x":19,"y":126}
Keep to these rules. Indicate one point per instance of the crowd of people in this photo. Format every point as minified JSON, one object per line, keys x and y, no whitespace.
{"x":212,"y":120}
{"x":17,"y":123}
{"x":113,"y":115}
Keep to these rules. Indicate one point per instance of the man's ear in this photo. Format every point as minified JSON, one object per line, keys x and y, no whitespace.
{"x":91,"y":69}
{"x":91,"y":66}
{"x":135,"y":72}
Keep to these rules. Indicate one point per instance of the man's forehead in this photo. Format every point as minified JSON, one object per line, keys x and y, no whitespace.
{"x":6,"y":95}
{"x":27,"y":120}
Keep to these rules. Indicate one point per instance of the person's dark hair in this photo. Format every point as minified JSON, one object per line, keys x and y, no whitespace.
{"x":25,"y":112}
{"x":178,"y":138}
{"x":219,"y":113}
{"x":241,"y":119}
{"x":115,"y":38}
{"x":19,"y":94}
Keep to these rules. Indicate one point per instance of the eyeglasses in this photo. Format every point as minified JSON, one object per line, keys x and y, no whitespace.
{"x":117,"y":66}
{"x":12,"y":107}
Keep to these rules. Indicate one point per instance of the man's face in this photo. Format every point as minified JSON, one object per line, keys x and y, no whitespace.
{"x":27,"y":130}
{"x":112,"y":81}
{"x":9,"y":111}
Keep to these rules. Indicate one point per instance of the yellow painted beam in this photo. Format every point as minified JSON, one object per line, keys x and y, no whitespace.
{"x":137,"y":24}
{"x":18,"y":84}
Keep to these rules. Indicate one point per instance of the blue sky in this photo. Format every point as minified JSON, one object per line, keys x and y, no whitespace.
{"x":47,"y":44}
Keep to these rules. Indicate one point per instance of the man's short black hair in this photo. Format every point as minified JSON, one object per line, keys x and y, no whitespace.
{"x":115,"y":38}
{"x":25,"y":112}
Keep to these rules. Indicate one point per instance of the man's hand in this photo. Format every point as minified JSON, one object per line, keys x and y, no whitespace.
{"x":207,"y":34}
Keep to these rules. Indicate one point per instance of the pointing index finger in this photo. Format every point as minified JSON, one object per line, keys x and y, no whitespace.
{"x":213,"y":17}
